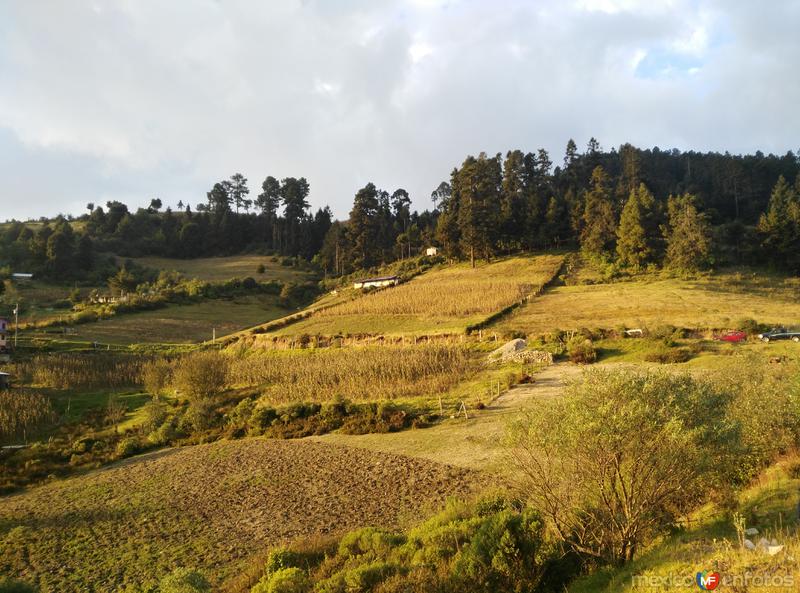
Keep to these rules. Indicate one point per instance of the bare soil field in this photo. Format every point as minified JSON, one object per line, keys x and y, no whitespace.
{"x":209,"y":507}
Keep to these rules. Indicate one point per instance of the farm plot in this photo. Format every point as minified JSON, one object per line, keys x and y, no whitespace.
{"x":219,"y":269}
{"x":446,"y":300}
{"x":182,"y":324}
{"x":358,"y":374}
{"x":129,"y":525}
{"x":715,"y":301}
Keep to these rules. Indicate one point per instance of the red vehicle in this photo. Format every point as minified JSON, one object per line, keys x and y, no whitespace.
{"x":733,"y":335}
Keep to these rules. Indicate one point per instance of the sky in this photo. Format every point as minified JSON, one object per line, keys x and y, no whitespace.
{"x":134,"y":99}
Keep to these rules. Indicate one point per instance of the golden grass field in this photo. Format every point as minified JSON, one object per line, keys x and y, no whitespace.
{"x":714,"y":301}
{"x":444,"y":300}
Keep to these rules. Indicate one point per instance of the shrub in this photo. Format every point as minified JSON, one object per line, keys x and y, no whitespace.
{"x":284,"y":580}
{"x":201,"y":375}
{"x":156,"y":376}
{"x":199,"y":416}
{"x":368,"y":540}
{"x":127,"y":447}
{"x":581,"y":351}
{"x":184,"y":580}
{"x":8,"y":585}
{"x":155,"y":413}
{"x":609,"y":423}
{"x":666,"y":355}
{"x":364,"y":578}
{"x":261,"y":269}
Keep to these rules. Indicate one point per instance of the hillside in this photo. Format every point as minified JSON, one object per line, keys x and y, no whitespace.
{"x":209,"y":506}
{"x":445,"y":300}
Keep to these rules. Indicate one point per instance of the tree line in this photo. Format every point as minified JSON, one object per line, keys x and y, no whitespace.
{"x":629,"y":207}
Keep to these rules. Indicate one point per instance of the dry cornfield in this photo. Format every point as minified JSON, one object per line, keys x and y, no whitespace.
{"x":81,"y":371}
{"x":357,"y":374}
{"x":458,"y":290}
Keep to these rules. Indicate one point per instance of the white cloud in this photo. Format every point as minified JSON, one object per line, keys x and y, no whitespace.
{"x":150,"y":98}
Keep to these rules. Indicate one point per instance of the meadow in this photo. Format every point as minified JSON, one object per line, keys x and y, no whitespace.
{"x":447,"y":299}
{"x":210,"y":507}
{"x":714,"y":301}
{"x":183,"y":324}
{"x":219,"y":269}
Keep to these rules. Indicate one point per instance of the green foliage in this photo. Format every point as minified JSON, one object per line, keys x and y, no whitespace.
{"x":688,"y":235}
{"x":599,"y":224}
{"x":8,"y":585}
{"x":184,"y":580}
{"x":583,"y":457}
{"x":201,"y":375}
{"x":581,"y":350}
{"x":636,"y":231}
{"x":284,"y":580}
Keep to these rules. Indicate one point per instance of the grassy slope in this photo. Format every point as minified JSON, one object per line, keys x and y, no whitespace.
{"x":183,"y":323}
{"x":208,"y":506}
{"x":718,"y":300}
{"x":218,"y":269}
{"x":710,"y":542}
{"x":417,"y":306}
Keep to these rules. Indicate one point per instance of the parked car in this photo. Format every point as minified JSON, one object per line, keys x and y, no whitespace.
{"x":734,"y":335}
{"x":780,"y":333}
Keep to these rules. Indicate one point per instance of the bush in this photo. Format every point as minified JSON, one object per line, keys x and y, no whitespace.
{"x":285,"y":580}
{"x":155,"y":413}
{"x":364,"y":578}
{"x":127,"y":447}
{"x":616,"y":423}
{"x":8,"y":585}
{"x":666,"y":355}
{"x":261,"y":269}
{"x":156,"y":377}
{"x":184,"y":580}
{"x":581,"y":351}
{"x":201,"y":375}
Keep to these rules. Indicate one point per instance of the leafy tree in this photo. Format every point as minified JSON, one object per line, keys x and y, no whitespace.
{"x":123,"y":281}
{"x":155,"y":204}
{"x":599,"y":222}
{"x":636,"y":231}
{"x":622,"y":456}
{"x":441,"y":194}
{"x":688,"y":235}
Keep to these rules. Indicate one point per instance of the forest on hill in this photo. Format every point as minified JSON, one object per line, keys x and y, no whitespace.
{"x":629,"y":207}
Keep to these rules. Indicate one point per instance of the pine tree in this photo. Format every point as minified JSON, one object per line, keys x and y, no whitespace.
{"x":479,"y":183}
{"x":688,"y":235}
{"x":635,"y":241}
{"x":779,"y":226}
{"x":363,"y":227}
{"x":599,"y":222}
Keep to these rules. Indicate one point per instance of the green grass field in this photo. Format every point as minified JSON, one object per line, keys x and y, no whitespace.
{"x":219,"y":269}
{"x":444,"y":300}
{"x":717,"y":300}
{"x":182,"y":324}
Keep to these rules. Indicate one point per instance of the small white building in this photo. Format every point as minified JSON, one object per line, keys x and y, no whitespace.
{"x":376,"y":282}
{"x":20,"y":277}
{"x":5,"y":380}
{"x":431,"y":251}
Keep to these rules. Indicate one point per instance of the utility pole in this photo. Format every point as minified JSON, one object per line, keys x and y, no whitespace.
{"x":16,"y":324}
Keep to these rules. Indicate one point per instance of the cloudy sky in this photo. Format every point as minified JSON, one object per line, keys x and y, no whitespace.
{"x":134,"y":99}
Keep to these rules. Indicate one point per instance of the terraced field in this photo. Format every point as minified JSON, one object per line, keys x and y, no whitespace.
{"x":219,"y":269}
{"x":715,"y":301}
{"x":445,"y":300}
{"x":209,"y":507}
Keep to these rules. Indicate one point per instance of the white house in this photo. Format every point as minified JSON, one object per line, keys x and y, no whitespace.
{"x":19,"y":277}
{"x":5,"y":380}
{"x":431,"y":251}
{"x":376,"y":282}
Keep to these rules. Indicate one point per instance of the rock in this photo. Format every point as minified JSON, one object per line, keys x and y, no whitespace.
{"x":531,"y":356}
{"x":508,"y":349}
{"x":749,"y":545}
{"x":772,"y":550}
{"x":762,"y":544}
{"x":751,"y":531}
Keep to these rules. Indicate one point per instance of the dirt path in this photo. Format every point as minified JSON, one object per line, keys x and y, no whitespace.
{"x":476,"y":443}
